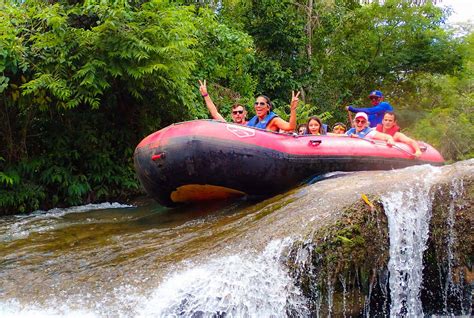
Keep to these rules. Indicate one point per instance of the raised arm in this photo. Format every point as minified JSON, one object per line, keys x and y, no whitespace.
{"x":291,"y":125}
{"x":384,"y":106}
{"x":209,"y":103}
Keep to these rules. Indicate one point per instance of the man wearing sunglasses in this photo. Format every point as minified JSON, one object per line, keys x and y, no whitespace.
{"x":361,"y":129}
{"x":264,"y":118}
{"x":376,"y":112}
{"x":238,"y":113}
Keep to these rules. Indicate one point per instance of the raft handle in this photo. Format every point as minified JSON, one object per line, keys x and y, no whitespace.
{"x":314,"y":143}
{"x":158,"y":156}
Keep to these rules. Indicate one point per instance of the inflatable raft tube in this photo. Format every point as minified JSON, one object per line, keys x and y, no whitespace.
{"x":208,"y":160}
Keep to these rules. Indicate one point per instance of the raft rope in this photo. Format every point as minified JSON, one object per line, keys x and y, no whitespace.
{"x":385,"y":144}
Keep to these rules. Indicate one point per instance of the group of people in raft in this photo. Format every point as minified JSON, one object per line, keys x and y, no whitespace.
{"x":377,"y":122}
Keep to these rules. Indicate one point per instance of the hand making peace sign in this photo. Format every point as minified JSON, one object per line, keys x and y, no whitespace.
{"x":294,"y":100}
{"x":203,"y":88}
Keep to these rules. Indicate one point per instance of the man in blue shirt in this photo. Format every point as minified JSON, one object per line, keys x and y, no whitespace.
{"x":375,"y":113}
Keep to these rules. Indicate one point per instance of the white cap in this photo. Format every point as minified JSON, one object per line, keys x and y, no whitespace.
{"x":363,"y":115}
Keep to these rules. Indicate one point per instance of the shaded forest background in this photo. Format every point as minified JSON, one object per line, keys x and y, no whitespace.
{"x":82,"y":82}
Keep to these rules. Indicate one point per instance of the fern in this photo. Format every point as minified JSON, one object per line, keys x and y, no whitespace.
{"x":83,"y":84}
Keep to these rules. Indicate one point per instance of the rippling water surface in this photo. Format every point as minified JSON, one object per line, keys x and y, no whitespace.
{"x":98,"y":259}
{"x":113,"y":260}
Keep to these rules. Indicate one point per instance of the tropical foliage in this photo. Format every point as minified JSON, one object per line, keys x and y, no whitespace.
{"x":82,"y":82}
{"x":81,"y":85}
{"x":446,"y":109}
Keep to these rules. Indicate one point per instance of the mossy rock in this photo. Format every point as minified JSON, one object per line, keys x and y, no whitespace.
{"x":342,"y":268}
{"x":342,"y":261}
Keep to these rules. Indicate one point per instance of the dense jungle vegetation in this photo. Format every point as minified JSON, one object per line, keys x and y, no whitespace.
{"x":82,"y":82}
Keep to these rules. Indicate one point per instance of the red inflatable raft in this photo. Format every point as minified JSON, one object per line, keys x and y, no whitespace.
{"x":206,"y":159}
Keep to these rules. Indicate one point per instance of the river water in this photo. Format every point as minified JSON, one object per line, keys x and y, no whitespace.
{"x":211,"y":260}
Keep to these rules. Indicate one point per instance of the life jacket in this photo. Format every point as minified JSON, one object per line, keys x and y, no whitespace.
{"x":390,"y":132}
{"x":254,"y":122}
{"x":325,"y":129}
{"x":361,"y":133}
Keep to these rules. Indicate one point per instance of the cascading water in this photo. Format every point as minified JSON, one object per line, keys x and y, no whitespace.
{"x":408,"y":212}
{"x":236,"y":286}
{"x":452,"y":290}
{"x":241,"y":259}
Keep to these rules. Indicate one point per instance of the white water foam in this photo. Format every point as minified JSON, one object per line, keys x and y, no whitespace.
{"x":57,"y":212}
{"x":409,"y":214}
{"x":14,"y":310}
{"x":43,"y":221}
{"x":122,"y":301}
{"x":234,"y":286}
{"x":241,"y":285}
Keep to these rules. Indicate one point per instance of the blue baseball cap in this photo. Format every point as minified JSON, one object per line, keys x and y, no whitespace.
{"x":376,"y":93}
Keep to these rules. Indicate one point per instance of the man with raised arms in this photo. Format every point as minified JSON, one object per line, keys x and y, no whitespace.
{"x":239,"y":113}
{"x":264,"y":118}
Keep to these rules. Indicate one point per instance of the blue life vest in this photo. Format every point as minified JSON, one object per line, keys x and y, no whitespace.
{"x":263,"y":123}
{"x":325,"y":129}
{"x":361,"y":133}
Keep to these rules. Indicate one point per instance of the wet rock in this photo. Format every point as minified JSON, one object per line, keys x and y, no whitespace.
{"x":342,"y":268}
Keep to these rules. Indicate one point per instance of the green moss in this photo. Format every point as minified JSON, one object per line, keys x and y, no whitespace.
{"x":462,"y":208}
{"x":352,"y":249}
{"x":355,"y":249}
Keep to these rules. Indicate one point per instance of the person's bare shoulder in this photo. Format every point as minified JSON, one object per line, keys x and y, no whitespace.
{"x":275,"y":124}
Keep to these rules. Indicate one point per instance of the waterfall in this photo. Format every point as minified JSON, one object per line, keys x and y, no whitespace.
{"x":344,"y":292}
{"x":318,"y":251}
{"x":234,"y":286}
{"x":452,"y":290}
{"x":408,"y":212}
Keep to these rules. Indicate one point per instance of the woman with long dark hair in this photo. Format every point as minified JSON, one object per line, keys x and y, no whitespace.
{"x":315,"y":126}
{"x":266,"y":119}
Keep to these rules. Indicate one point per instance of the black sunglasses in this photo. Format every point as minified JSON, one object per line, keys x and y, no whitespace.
{"x":235,"y":112}
{"x":360,"y":121}
{"x":259,"y":103}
